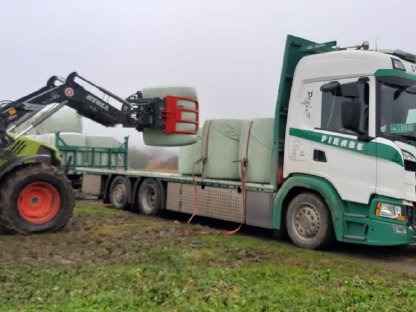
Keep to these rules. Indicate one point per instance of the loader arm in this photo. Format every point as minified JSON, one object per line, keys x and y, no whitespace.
{"x":106,"y":108}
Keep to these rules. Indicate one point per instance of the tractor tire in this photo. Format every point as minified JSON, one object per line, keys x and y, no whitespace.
{"x":308,"y":222}
{"x":151,"y":197}
{"x":35,"y":198}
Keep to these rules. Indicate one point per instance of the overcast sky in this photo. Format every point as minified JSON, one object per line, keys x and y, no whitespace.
{"x":230,"y":50}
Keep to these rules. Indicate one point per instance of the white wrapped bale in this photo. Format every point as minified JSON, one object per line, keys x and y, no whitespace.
{"x":78,"y":140}
{"x":259,"y":155}
{"x":48,"y":138}
{"x":102,"y":143}
{"x":64,"y":120}
{"x":223,"y":139}
{"x":70,"y":139}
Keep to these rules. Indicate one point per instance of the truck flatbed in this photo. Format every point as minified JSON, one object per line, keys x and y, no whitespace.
{"x":175,"y":177}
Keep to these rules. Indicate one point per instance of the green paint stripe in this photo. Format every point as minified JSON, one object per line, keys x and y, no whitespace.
{"x":366,"y":148}
{"x":394,"y":73}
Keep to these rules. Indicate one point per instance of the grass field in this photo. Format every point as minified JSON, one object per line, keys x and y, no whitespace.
{"x":109,"y":260}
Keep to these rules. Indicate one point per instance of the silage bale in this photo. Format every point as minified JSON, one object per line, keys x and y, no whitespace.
{"x":73,"y":139}
{"x":48,"y":138}
{"x":260,"y":143}
{"x":103,"y":144}
{"x":188,"y":155}
{"x":223,"y":138}
{"x":64,"y":120}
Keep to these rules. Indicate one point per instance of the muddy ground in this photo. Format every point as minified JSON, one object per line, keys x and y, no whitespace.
{"x":113,"y":237}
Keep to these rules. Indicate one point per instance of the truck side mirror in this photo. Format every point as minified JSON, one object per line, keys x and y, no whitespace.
{"x":350,"y":114}
{"x":332,"y":87}
{"x":350,"y":90}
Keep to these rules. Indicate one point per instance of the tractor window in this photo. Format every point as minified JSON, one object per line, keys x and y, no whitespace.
{"x":331,"y":114}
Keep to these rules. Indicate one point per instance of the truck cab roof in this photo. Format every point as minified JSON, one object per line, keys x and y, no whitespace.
{"x":349,"y":63}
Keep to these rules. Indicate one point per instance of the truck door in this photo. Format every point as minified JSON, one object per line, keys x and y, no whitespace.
{"x":341,"y":150}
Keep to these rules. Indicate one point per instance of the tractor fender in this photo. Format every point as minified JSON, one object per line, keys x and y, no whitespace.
{"x":16,"y":162}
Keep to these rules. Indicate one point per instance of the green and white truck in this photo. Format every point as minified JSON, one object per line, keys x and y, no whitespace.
{"x":337,"y":161}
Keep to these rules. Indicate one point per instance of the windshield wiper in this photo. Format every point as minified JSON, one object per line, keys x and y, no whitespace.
{"x":410,"y":137}
{"x":401,"y":137}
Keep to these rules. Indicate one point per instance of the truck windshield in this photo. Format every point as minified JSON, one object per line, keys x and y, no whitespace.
{"x":396,"y":109}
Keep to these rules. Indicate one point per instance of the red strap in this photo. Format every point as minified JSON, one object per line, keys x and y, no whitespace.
{"x":243,"y":167}
{"x":203,"y":158}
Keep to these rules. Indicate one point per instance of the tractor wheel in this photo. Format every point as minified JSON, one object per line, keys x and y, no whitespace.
{"x":308,"y":222}
{"x":151,"y":197}
{"x":36,"y":198}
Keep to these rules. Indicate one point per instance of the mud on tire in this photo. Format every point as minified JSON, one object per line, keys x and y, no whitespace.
{"x":35,"y":198}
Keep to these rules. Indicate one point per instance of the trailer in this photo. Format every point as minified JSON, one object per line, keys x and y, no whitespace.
{"x":341,"y":163}
{"x":92,"y":155}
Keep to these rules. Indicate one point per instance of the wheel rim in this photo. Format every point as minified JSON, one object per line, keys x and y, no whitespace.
{"x":149,"y":199}
{"x":119,"y":193}
{"x":38,"y":202}
{"x":307,"y":221}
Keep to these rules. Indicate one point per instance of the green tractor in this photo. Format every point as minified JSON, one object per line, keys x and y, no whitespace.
{"x":35,"y":195}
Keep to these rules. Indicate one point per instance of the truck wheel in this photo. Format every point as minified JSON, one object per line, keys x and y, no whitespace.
{"x":151,"y":197}
{"x":36,"y":198}
{"x":308,"y":222}
{"x":120,"y":191}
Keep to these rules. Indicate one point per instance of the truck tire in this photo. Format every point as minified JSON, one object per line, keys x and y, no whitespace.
{"x":120,"y":191}
{"x":151,"y":197}
{"x":308,"y":222}
{"x":36,"y":198}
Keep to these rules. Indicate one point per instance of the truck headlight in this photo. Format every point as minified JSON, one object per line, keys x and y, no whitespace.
{"x":390,"y":211}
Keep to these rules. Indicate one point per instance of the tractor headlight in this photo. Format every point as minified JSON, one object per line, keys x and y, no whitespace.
{"x":391,"y":211}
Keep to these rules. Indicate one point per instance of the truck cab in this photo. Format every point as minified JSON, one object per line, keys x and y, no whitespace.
{"x":351,"y":125}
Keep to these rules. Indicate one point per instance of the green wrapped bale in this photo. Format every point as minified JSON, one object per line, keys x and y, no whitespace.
{"x":259,"y":153}
{"x":188,"y":155}
{"x":223,"y":139}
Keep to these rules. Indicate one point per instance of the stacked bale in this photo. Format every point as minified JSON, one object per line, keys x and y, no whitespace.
{"x":188,"y":155}
{"x":220,"y":142}
{"x":225,"y":142}
{"x":69,"y":139}
{"x":102,"y":143}
{"x":256,"y":145}
{"x":64,"y":120}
